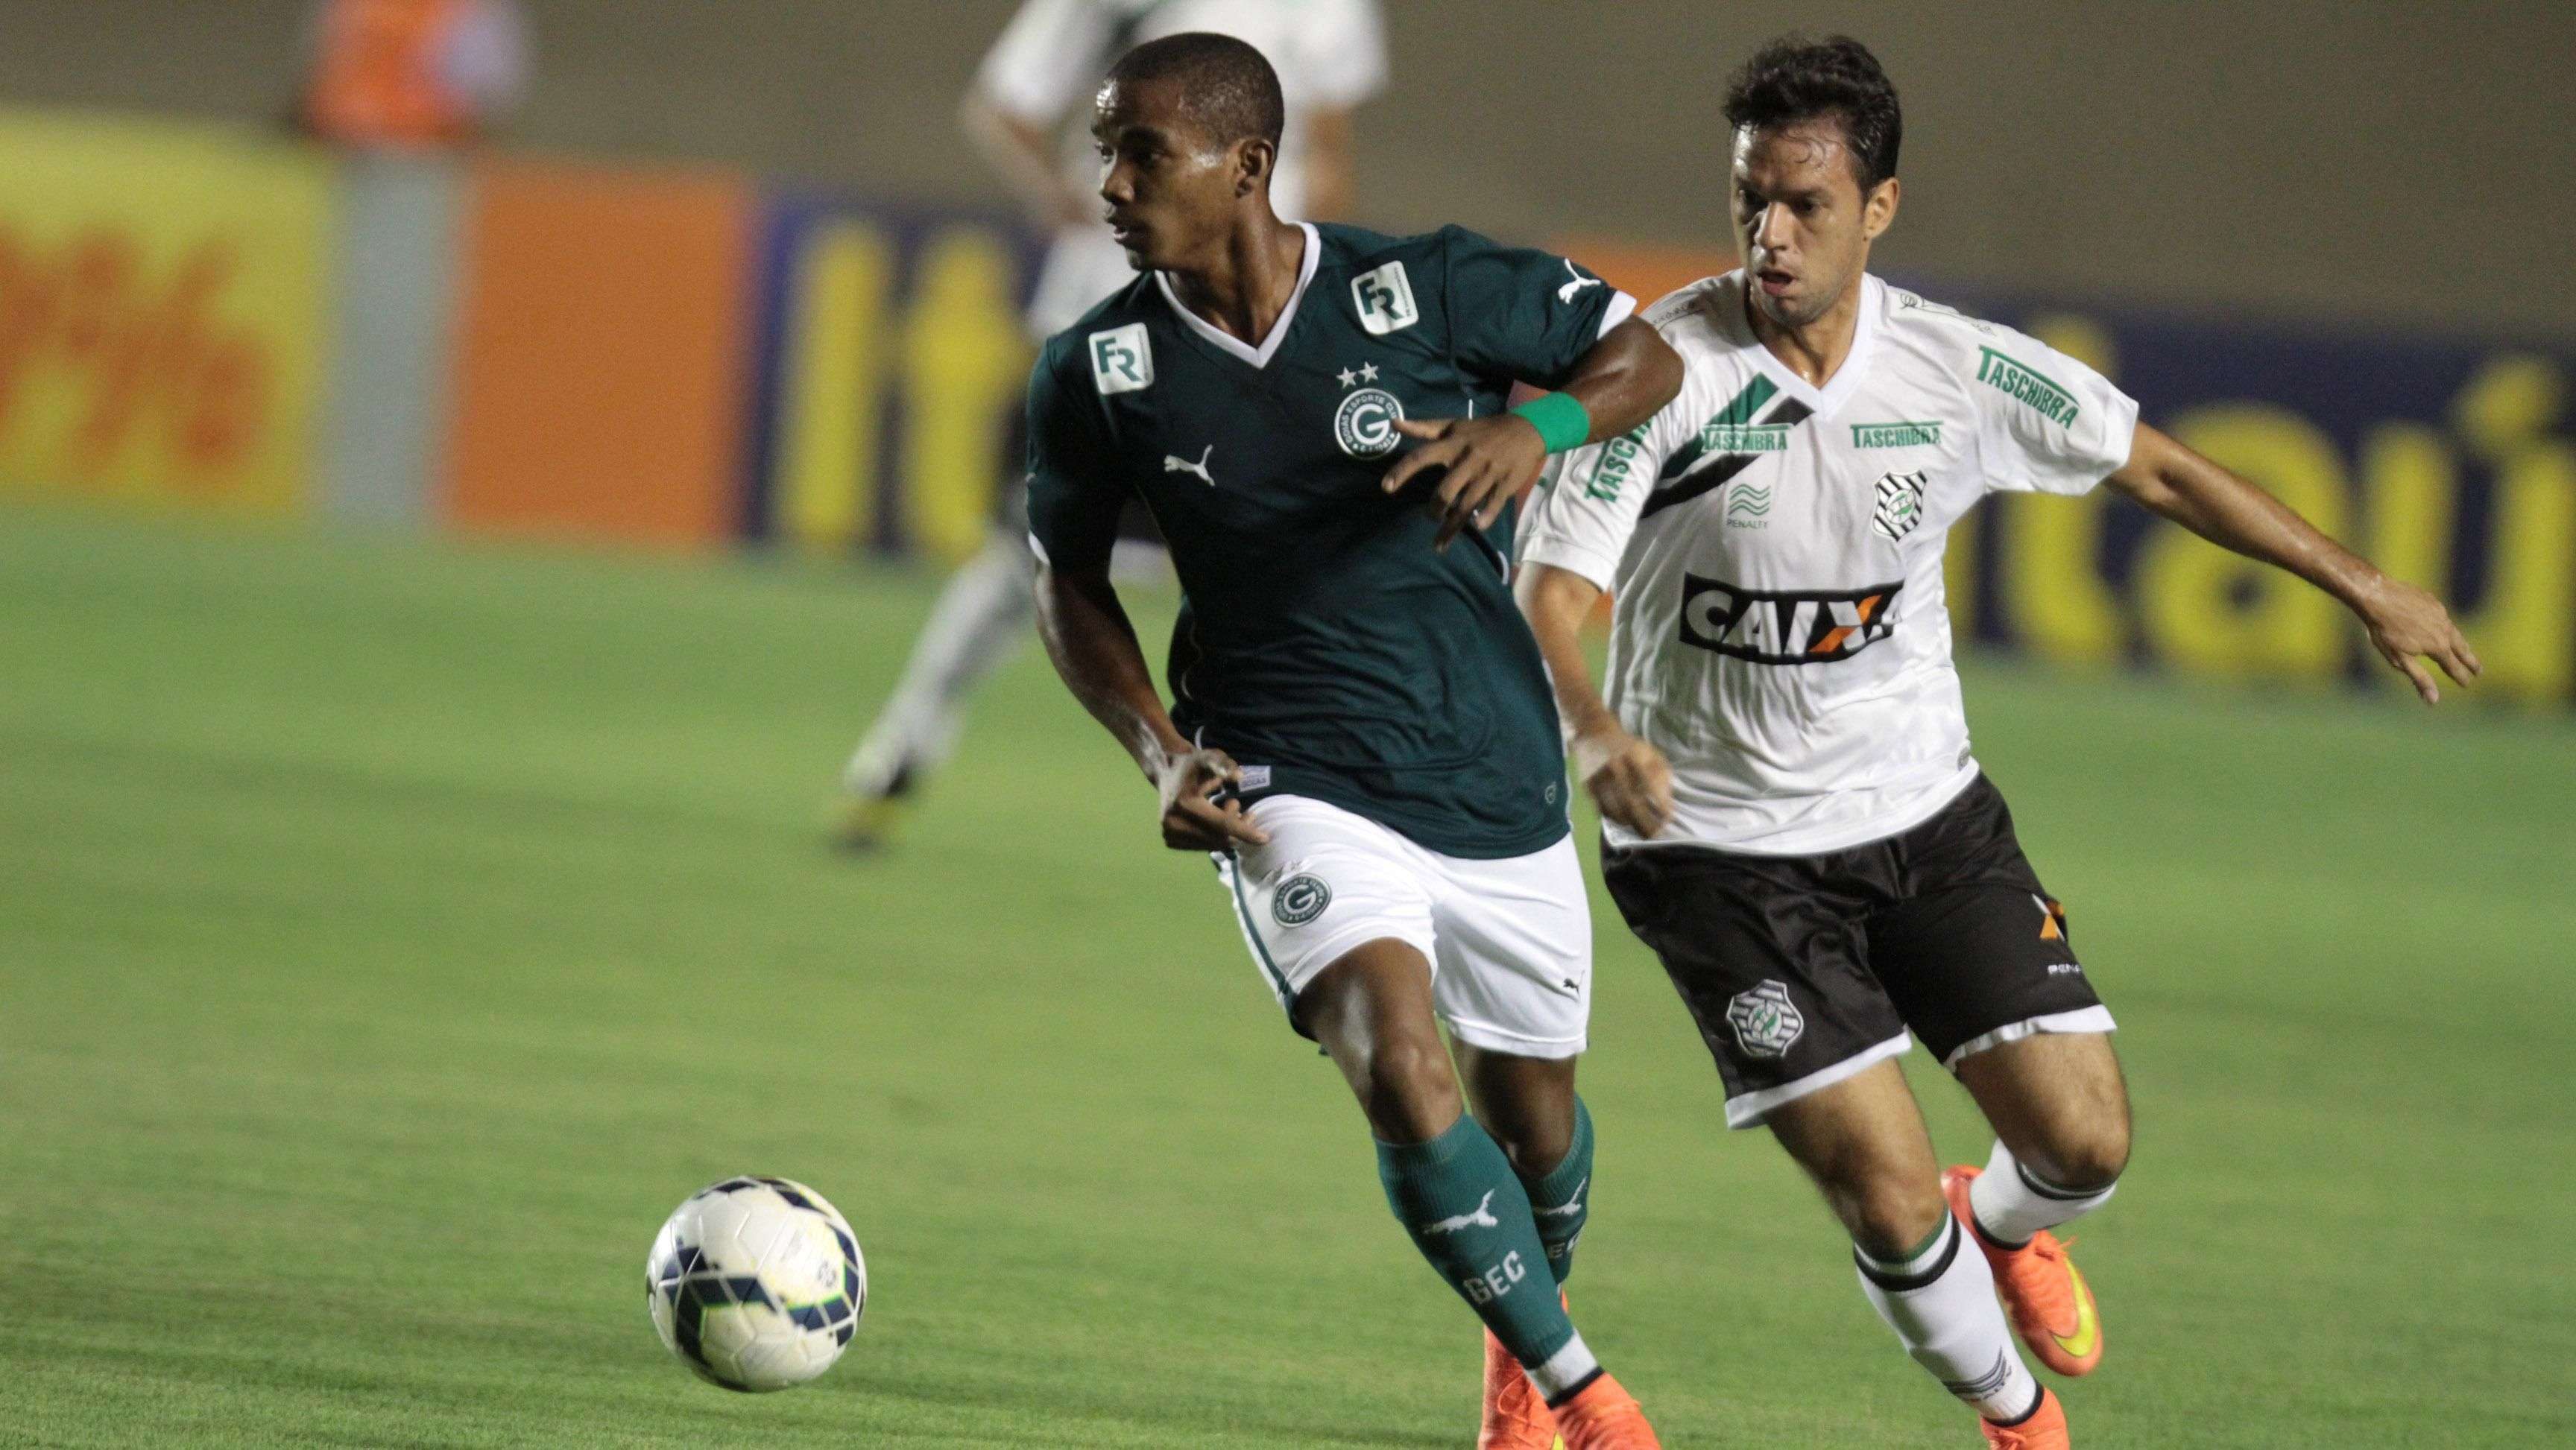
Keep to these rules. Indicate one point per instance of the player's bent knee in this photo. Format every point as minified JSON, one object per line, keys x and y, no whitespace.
{"x":2093,"y":1156}
{"x":1891,"y":1219}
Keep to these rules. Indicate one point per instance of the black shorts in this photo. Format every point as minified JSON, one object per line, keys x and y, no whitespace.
{"x":1802,"y":970}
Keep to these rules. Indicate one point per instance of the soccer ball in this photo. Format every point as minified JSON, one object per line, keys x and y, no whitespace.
{"x":756,"y":1283}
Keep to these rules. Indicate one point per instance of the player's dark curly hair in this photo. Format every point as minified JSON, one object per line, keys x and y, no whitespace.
{"x":1228,"y":87}
{"x":1796,"y":79}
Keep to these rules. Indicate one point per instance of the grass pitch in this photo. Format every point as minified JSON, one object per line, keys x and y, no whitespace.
{"x":390,"y":936}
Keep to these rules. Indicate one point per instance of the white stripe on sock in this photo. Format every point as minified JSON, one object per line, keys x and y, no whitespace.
{"x":1564,"y":1369}
{"x":2009,"y":1211}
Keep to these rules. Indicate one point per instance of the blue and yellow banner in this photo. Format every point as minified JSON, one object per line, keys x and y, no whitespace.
{"x":890,"y":372}
{"x":2449,"y":463}
{"x":162,"y":308}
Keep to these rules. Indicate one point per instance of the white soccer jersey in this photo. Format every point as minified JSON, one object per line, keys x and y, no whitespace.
{"x":1780,"y":630}
{"x":1330,"y":55}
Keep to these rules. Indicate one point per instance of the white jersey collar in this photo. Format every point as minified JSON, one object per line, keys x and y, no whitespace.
{"x":1846,"y":380}
{"x":1235,"y":347}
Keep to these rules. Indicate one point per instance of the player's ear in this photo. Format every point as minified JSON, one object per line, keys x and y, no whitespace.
{"x":1878,"y":212}
{"x":1254,"y":160}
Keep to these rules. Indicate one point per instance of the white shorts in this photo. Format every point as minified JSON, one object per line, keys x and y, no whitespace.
{"x":1509,"y":941}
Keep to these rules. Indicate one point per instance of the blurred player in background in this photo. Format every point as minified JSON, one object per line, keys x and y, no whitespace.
{"x":1330,"y":55}
{"x":1792,"y":817}
{"x":406,"y":75}
{"x":1361,"y":734}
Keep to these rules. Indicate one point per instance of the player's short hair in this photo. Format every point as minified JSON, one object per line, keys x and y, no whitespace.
{"x":1228,"y":88}
{"x":1796,"y":79}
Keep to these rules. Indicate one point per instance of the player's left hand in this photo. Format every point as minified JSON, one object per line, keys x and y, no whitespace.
{"x":2408,"y":626}
{"x":1489,"y":461}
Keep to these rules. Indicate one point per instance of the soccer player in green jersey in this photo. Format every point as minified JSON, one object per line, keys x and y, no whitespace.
{"x":1362,"y":734}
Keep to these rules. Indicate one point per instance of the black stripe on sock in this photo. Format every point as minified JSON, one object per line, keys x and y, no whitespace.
{"x":1908,"y":1283}
{"x":1580,"y":1386}
{"x":2048,"y":1190}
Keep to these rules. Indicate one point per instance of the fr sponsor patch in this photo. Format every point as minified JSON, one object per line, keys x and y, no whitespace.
{"x":1384,"y":298}
{"x":1766,"y":1022}
{"x":1122,"y":359}
{"x":1800,"y":628}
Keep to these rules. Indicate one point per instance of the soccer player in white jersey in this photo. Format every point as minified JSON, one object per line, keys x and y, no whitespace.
{"x":1793,"y":819}
{"x":1330,"y":55}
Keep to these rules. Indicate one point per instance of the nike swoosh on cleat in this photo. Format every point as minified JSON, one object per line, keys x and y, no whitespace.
{"x":2088,"y":1325}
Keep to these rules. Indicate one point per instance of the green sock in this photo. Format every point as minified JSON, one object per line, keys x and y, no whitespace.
{"x":1561,"y":1198}
{"x":1470,"y":1217}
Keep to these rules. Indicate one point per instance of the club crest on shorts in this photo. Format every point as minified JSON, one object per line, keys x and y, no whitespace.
{"x":1900,"y":504}
{"x":1766,"y":1022}
{"x":1299,"y":900}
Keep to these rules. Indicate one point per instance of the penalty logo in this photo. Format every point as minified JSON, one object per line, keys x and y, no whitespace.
{"x":1900,"y":504}
{"x":1300,"y":899}
{"x":1365,"y":423}
{"x":1766,"y":1022}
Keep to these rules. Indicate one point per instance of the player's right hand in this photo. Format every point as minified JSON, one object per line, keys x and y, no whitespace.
{"x":1629,"y":779}
{"x":1193,"y":820}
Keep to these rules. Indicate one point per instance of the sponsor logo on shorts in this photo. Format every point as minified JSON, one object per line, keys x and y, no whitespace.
{"x":1801,"y":628}
{"x":1766,"y":1022}
{"x":1299,"y":900}
{"x":1900,"y":504}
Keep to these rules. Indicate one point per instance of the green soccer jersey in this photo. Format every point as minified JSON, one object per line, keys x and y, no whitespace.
{"x":1322,"y":642}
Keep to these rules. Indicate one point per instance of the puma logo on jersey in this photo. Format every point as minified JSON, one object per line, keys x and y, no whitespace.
{"x":1566,"y":293}
{"x":1798,"y":628}
{"x":1183,"y":465}
{"x":1477,"y":1217}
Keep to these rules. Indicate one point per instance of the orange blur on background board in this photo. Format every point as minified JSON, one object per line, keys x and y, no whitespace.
{"x":602,"y":355}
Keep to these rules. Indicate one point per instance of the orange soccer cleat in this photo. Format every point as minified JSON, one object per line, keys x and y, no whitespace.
{"x":2044,"y":1430}
{"x":1602,"y":1416}
{"x":2050,"y":1305}
{"x":1516,"y":1417}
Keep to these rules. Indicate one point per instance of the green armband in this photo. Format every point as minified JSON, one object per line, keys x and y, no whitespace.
{"x":1559,"y":419}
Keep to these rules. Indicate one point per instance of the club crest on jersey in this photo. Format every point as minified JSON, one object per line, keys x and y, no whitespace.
{"x":1766,"y":1022}
{"x":1900,"y":504}
{"x":1805,"y":627}
{"x":1122,"y":360}
{"x":1365,"y":423}
{"x":1299,"y":900}
{"x":1385,"y":300}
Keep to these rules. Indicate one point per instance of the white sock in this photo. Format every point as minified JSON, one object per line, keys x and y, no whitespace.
{"x":1941,"y":1303}
{"x":2012,"y":1203}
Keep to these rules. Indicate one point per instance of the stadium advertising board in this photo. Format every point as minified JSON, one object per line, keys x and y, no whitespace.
{"x":2449,"y":464}
{"x":890,"y":372}
{"x":162,"y":294}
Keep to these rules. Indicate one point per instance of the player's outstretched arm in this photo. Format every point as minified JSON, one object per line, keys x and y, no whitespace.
{"x":1629,"y":374}
{"x":1629,"y":779}
{"x":2406,"y":624}
{"x":1094,"y":648}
